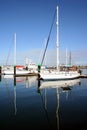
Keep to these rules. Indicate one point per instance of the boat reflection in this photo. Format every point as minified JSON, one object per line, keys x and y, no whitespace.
{"x":25,"y":82}
{"x":66,"y":85}
{"x":61,"y":83}
{"x":29,"y":81}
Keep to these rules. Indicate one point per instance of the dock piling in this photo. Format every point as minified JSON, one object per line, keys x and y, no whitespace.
{"x":0,"y":73}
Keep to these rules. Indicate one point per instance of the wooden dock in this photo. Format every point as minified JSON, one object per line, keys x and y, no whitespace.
{"x":36,"y":74}
{"x":83,"y":76}
{"x":30,"y":74}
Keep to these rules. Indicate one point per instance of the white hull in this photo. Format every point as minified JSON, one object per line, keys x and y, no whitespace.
{"x":62,"y":75}
{"x":55,"y":74}
{"x":62,"y":83}
{"x":18,"y":72}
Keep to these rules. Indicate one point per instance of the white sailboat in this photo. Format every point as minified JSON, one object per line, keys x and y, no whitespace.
{"x":19,"y":71}
{"x":57,"y":74}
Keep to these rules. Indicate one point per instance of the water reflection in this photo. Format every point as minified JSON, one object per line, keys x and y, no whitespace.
{"x":15,"y":82}
{"x":51,"y":105}
{"x":15,"y":107}
{"x":0,"y":77}
{"x":60,"y":87}
{"x":28,"y":80}
{"x":64,"y":84}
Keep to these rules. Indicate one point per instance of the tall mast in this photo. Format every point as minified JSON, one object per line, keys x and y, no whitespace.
{"x":14,"y":48}
{"x":57,"y":40}
{"x":66,"y":57}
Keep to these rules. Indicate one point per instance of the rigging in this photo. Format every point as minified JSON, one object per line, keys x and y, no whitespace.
{"x":48,"y":38}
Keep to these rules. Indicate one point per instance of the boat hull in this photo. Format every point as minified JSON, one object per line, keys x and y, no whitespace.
{"x":59,"y":76}
{"x":18,"y":72}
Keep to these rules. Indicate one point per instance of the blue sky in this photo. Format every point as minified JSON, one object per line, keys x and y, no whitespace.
{"x":31,"y":21}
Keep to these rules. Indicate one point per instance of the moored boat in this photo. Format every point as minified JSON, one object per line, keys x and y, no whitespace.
{"x":57,"y":74}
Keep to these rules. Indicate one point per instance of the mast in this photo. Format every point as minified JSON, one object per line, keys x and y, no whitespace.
{"x":14,"y":48}
{"x":57,"y":40}
{"x":70,"y":58}
{"x":66,"y":57}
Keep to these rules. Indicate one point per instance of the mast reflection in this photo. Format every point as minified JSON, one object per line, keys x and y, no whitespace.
{"x":60,"y":87}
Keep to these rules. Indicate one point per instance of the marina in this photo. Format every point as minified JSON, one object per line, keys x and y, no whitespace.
{"x":43,"y":87}
{"x":82,"y":75}
{"x":25,"y":104}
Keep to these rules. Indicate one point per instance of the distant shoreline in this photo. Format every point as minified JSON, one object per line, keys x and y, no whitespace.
{"x":78,"y":66}
{"x":82,"y":67}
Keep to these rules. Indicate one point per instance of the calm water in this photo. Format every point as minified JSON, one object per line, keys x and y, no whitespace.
{"x":24,"y":105}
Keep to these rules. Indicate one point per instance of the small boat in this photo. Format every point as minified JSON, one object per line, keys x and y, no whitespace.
{"x":18,"y":72}
{"x":19,"y":68}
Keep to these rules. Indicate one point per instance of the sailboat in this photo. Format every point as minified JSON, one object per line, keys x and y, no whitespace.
{"x":19,"y":71}
{"x":57,"y":74}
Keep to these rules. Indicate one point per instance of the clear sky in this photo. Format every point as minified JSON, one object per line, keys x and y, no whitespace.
{"x":31,"y":21}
